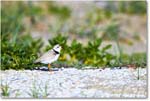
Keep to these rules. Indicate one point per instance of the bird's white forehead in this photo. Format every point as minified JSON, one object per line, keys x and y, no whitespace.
{"x":56,"y":45}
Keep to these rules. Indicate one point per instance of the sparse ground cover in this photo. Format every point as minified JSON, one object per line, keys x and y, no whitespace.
{"x":74,"y":83}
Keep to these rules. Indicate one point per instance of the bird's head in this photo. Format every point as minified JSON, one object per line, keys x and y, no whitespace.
{"x":57,"y":48}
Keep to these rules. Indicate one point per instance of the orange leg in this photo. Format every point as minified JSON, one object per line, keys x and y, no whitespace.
{"x":49,"y":66}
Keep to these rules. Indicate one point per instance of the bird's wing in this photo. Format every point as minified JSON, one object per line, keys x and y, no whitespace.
{"x":48,"y":55}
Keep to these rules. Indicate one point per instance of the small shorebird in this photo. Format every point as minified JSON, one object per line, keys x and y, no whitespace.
{"x":50,"y":56}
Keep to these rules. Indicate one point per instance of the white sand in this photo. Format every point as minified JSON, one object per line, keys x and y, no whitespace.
{"x":74,"y":83}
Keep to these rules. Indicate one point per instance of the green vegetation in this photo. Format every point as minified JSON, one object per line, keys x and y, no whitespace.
{"x":61,"y":12}
{"x":130,"y":7}
{"x":17,"y":51}
{"x":35,"y":92}
{"x":111,"y":33}
{"x":87,"y":55}
{"x":5,"y":90}
{"x":19,"y":54}
{"x":133,"y":7}
{"x":23,"y":54}
{"x":138,"y":59}
{"x":38,"y":92}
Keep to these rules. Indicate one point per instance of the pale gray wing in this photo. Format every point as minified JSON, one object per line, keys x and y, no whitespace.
{"x":48,"y":55}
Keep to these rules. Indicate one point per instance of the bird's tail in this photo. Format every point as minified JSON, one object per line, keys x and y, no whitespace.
{"x":36,"y":61}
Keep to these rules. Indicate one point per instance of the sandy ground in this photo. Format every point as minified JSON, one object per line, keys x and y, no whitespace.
{"x":74,"y":83}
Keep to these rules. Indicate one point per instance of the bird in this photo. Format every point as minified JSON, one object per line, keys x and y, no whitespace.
{"x":50,"y":56}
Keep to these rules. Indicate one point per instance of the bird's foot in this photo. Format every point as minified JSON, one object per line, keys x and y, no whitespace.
{"x":51,"y":72}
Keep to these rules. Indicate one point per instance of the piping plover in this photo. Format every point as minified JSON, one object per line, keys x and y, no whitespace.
{"x":50,"y":56}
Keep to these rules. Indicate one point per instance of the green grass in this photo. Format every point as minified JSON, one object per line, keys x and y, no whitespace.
{"x":138,"y":59}
{"x":35,"y":92}
{"x":38,"y":92}
{"x":5,"y":90}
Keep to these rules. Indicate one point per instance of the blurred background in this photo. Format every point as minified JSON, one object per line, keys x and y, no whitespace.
{"x":34,"y":25}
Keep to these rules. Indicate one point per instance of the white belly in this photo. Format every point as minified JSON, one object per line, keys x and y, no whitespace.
{"x":50,"y":59}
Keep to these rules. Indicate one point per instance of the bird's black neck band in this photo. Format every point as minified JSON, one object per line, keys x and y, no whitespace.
{"x":55,"y":51}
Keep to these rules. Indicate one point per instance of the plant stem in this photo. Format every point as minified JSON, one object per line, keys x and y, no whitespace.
{"x":138,"y":73}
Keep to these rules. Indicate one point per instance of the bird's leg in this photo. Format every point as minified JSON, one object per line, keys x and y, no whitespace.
{"x":49,"y":66}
